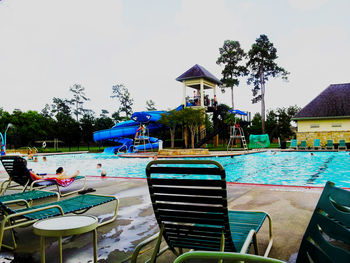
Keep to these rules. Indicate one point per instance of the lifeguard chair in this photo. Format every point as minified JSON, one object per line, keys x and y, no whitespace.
{"x":236,"y":132}
{"x":142,"y":137}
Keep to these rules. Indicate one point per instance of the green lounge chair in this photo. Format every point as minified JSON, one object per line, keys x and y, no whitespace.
{"x":293,"y":144}
{"x":326,"y":239}
{"x":342,"y":145}
{"x":16,"y":167}
{"x":13,"y":218}
{"x":303,"y":145}
{"x":329,"y":145}
{"x":189,"y":200}
{"x":328,"y":232}
{"x":28,"y":196}
{"x":317,"y":144}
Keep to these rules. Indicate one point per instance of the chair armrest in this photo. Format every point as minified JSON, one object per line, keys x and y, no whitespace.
{"x":17,"y":201}
{"x":141,"y":245}
{"x":115,"y":210}
{"x":35,"y":210}
{"x":38,"y":181}
{"x":251,"y":235}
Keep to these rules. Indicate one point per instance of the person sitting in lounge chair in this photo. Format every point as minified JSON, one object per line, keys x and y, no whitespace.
{"x":60,"y":174}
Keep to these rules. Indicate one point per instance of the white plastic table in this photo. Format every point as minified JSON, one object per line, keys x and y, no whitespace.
{"x":65,"y":226}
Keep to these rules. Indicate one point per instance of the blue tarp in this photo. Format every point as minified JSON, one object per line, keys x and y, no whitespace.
{"x":238,"y":112}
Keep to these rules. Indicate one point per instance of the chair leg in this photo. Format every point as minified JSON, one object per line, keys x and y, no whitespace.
{"x":251,"y":236}
{"x":144,"y":243}
{"x":141,"y":245}
{"x":2,"y":188}
{"x":255,"y":244}
{"x":156,"y":248}
{"x":2,"y":233}
{"x":269,"y":246}
{"x":25,"y":186}
{"x":95,"y":245}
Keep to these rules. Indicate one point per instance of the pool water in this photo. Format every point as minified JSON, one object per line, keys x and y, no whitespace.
{"x":280,"y":168}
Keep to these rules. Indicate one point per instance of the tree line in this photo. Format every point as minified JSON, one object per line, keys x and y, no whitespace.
{"x":65,"y":119}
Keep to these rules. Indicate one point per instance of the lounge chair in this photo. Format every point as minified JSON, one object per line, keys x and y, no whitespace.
{"x":293,"y":144}
{"x":342,"y":145}
{"x":303,"y":145}
{"x":16,"y":167}
{"x":317,"y":144}
{"x":28,"y":196}
{"x":329,"y":145}
{"x":189,"y":200}
{"x":328,"y":233}
{"x":326,"y":239}
{"x":13,"y":218}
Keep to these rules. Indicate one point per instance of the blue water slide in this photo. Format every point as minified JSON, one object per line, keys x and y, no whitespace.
{"x":122,"y":132}
{"x":123,"y":144}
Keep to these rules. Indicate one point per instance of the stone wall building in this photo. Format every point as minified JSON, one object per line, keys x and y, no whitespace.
{"x":326,"y":117}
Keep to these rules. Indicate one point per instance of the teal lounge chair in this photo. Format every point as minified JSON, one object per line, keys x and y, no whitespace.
{"x":189,"y":200}
{"x":327,"y":237}
{"x":20,"y":177}
{"x":342,"y":145}
{"x":28,"y":196}
{"x":329,"y":145}
{"x":293,"y":144}
{"x":303,"y":145}
{"x":317,"y":144}
{"x":14,"y":217}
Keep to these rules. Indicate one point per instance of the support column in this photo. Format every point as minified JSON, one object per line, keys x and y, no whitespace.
{"x":202,"y":93}
{"x":184,"y":94}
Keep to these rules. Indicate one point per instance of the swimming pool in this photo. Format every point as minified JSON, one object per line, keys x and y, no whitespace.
{"x":280,"y":168}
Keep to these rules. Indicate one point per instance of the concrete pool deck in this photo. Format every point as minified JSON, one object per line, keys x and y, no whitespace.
{"x":289,"y":207}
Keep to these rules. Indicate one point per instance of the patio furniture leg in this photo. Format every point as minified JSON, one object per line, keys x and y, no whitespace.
{"x":60,"y":247}
{"x":95,"y":245}
{"x":42,"y":245}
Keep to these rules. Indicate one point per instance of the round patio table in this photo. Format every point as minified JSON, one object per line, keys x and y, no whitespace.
{"x":65,"y":226}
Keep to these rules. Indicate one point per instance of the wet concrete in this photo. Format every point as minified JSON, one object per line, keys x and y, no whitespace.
{"x":289,"y":207}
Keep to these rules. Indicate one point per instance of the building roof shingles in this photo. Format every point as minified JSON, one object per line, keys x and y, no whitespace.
{"x":332,"y":102}
{"x":198,"y":71}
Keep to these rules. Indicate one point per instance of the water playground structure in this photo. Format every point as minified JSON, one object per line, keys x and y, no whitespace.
{"x":134,"y":135}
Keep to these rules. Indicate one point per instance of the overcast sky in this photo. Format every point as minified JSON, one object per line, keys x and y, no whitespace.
{"x":46,"y":46}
